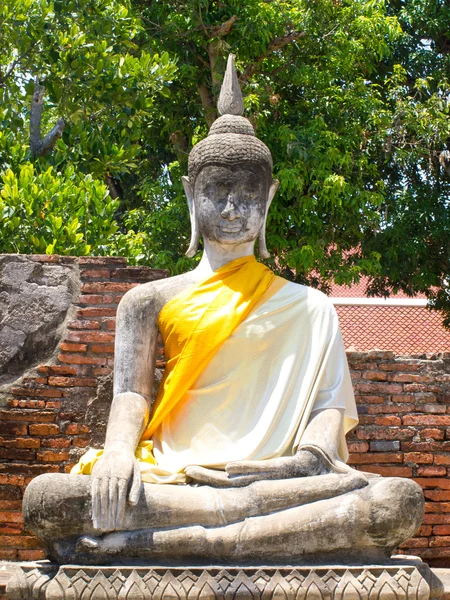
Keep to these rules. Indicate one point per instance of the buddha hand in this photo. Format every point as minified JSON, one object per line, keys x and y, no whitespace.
{"x":115,"y":475}
{"x":238,"y":474}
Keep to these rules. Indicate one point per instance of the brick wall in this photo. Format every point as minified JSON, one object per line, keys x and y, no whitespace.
{"x":404,"y":431}
{"x":404,"y":406}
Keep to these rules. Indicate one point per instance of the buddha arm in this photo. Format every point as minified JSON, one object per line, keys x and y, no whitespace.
{"x":116,"y":475}
{"x":134,"y":364}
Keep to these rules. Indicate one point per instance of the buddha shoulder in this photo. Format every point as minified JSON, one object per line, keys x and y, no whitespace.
{"x":317,"y":301}
{"x":152,"y":296}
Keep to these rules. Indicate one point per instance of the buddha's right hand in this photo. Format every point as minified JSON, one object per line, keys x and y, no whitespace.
{"x":115,"y":476}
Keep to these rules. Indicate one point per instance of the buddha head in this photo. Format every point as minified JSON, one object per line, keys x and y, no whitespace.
{"x":230,"y":187}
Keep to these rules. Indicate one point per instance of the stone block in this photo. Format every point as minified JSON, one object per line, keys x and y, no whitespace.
{"x":403,"y":579}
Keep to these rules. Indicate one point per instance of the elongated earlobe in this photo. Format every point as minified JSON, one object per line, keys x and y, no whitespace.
{"x":195,"y":233}
{"x":262,"y":248}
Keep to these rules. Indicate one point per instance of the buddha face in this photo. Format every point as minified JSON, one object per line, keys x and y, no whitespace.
{"x":230,"y":203}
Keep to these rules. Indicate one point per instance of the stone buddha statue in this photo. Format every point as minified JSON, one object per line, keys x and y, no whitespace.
{"x":241,"y":458}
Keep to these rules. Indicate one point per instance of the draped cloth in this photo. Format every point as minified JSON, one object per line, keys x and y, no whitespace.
{"x":249,"y":356}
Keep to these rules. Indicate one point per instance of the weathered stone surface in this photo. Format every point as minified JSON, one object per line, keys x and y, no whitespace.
{"x":399,"y":580}
{"x":34,"y":303}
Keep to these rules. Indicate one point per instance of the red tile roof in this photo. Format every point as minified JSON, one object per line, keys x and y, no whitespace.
{"x":401,"y":329}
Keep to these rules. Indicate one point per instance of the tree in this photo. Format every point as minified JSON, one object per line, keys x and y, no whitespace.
{"x":351,"y":96}
{"x":75,"y":93}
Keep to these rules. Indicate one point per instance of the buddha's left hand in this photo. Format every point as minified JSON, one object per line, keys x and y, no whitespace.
{"x":239,"y":474}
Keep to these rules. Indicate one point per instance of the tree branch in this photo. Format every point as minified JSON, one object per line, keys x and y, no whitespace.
{"x":273,"y":46}
{"x":39,"y":146}
{"x":48,"y":143}
{"x":36,"y":117}
{"x":207,"y":103}
{"x":224,"y":29}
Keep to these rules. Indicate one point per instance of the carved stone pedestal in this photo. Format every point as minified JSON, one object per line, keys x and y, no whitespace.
{"x":401,"y":579}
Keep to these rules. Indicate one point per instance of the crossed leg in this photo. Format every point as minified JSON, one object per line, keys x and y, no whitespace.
{"x":266,"y":521}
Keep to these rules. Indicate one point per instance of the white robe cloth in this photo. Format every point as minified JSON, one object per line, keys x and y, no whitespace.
{"x":254,"y":399}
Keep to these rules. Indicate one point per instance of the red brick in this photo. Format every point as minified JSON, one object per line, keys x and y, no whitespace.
{"x":7,"y":554}
{"x":102,"y":348}
{"x":384,"y":434}
{"x":16,"y":454}
{"x":59,"y":369}
{"x":101,"y":311}
{"x":53,"y":404}
{"x":14,"y":429}
{"x":11,"y":504}
{"x":441,"y":529}
{"x":80,"y":442}
{"x":435,"y":434}
{"x":414,"y":387}
{"x":374,"y":376}
{"x":375,"y":457}
{"x":110,"y":324}
{"x":388,"y":421}
{"x":34,"y":380}
{"x":22,"y":541}
{"x":389,"y":471}
{"x":426,"y":420}
{"x":437,"y":507}
{"x":403,"y":366}
{"x":443,"y":540}
{"x":383,"y":388}
{"x":76,"y":428}
{"x":142,"y":274}
{"x":102,"y":371}
{"x":62,"y":381}
{"x":56,"y":442}
{"x":30,"y":404}
{"x":431,"y":471}
{"x":90,"y":336}
{"x":28,"y":469}
{"x":11,"y":517}
{"x":84,"y":324}
{"x":70,"y":347}
{"x":418,"y":458}
{"x":403,"y":398}
{"x":415,"y":543}
{"x":358,"y":446}
{"x":434,"y":409}
{"x":369,"y":399}
{"x":436,"y":518}
{"x":409,"y":378}
{"x":11,"y":528}
{"x":441,"y":459}
{"x":95,"y":299}
{"x":388,"y":409}
{"x":80,"y":359}
{"x":28,"y":416}
{"x":425,"y":531}
{"x":20,"y":443}
{"x":8,"y":479}
{"x":101,"y":287}
{"x":47,"y":393}
{"x":95,"y":273}
{"x":31,"y":555}
{"x":10,"y":492}
{"x":44,"y":429}
{"x":437,"y":495}
{"x":52,"y":456}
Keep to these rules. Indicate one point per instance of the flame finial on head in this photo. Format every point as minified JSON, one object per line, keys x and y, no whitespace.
{"x":230,"y":99}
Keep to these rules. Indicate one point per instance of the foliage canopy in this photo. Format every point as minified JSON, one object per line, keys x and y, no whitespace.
{"x":351,"y":96}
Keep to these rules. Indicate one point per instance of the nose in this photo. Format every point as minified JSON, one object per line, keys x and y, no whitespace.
{"x":230,"y":211}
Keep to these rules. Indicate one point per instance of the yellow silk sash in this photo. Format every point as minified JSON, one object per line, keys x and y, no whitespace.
{"x":196,"y":322}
